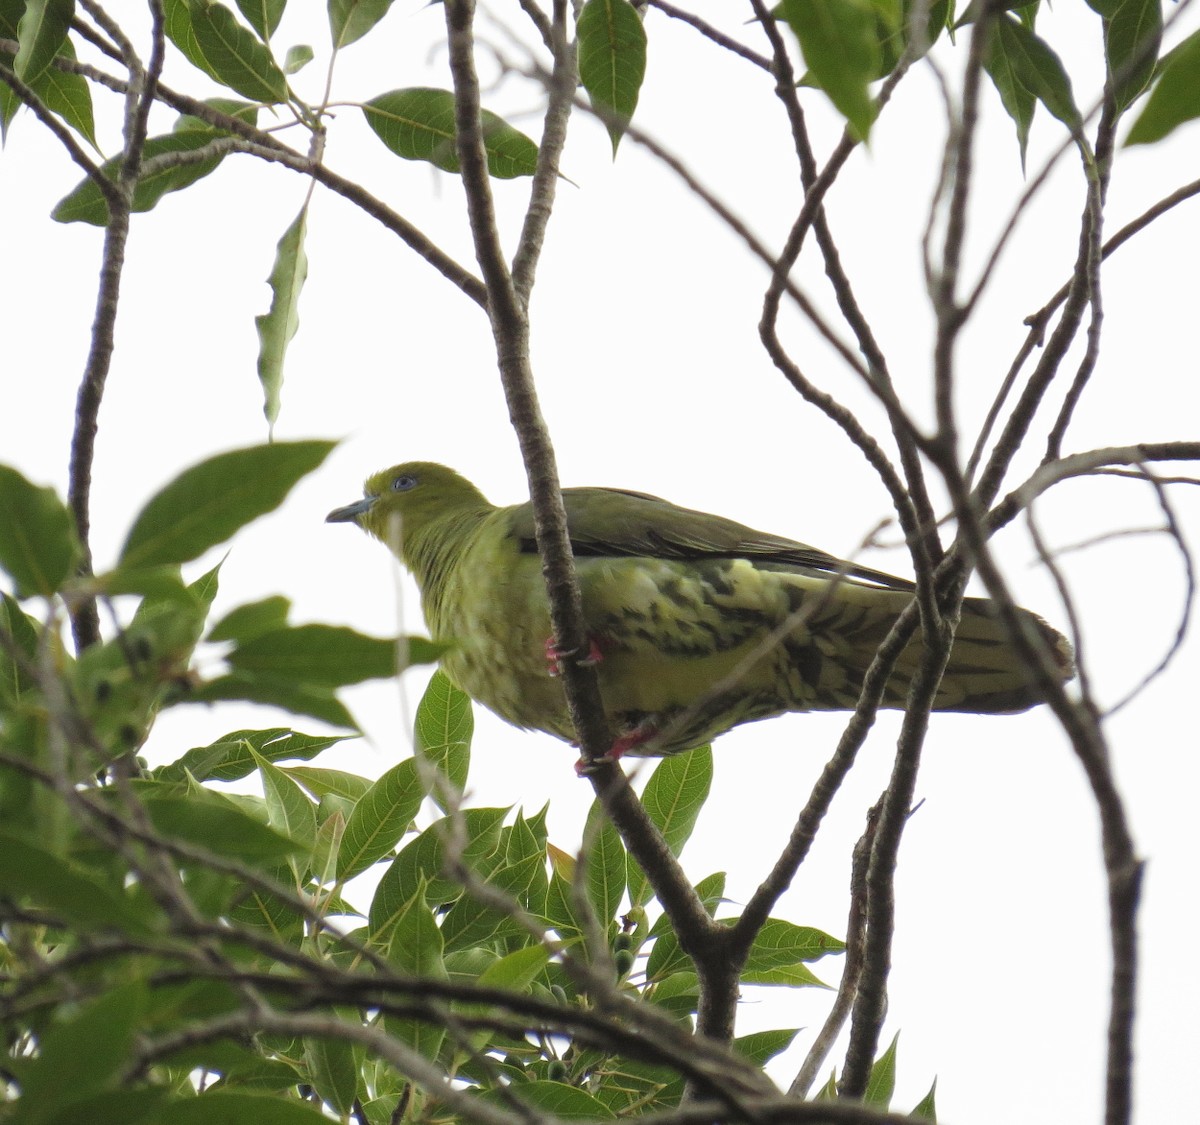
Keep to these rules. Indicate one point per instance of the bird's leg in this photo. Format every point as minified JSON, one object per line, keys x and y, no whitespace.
{"x":556,"y":657}
{"x":638,"y":735}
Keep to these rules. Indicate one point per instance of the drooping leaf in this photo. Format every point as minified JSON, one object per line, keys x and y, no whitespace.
{"x":612,"y":60}
{"x":41,"y":33}
{"x":1132,"y":36}
{"x":262,"y":15}
{"x":237,"y":57}
{"x":207,"y":503}
{"x":63,"y":93}
{"x":278,"y":325}
{"x":1037,"y":69}
{"x":38,"y":545}
{"x":418,"y":124}
{"x":841,"y":50}
{"x":1175,"y":98}
{"x":352,"y":19}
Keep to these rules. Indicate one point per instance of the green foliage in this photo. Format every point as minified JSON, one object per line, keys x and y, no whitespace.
{"x":152,"y":916}
{"x":278,"y":325}
{"x":418,"y":124}
{"x":1175,"y":97}
{"x":612,"y":60}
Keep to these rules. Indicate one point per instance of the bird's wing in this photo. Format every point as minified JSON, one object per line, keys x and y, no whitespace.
{"x":619,"y":523}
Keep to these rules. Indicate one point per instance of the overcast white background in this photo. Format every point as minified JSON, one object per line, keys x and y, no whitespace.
{"x":651,"y":377}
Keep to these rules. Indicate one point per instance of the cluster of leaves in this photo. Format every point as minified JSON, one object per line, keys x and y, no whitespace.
{"x":144,"y":908}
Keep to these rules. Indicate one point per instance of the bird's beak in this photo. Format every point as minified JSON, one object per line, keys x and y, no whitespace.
{"x":351,"y":512}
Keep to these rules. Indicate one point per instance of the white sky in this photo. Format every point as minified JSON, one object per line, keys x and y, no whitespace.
{"x":651,"y":377}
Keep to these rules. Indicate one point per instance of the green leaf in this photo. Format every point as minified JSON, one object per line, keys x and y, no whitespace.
{"x":781,"y":943}
{"x":1175,"y":97}
{"x":881,"y":1083}
{"x":21,"y":640}
{"x":206,"y":504}
{"x":237,"y":57}
{"x":178,"y":26}
{"x":421,"y":862}
{"x":38,"y":546}
{"x":232,"y":756}
{"x":135,"y":1106}
{"x":352,"y":19}
{"x":314,"y":700}
{"x":380,"y":819}
{"x":841,"y":50}
{"x":83,"y":1055}
{"x":555,"y":1099}
{"x":793,"y":976}
{"x":333,"y":1071}
{"x":215,"y":822}
{"x":251,"y":620}
{"x":1037,"y":69}
{"x":323,"y":782}
{"x":64,"y":93}
{"x":65,"y":889}
{"x":85,"y":204}
{"x":1018,"y":102}
{"x":673,"y":798}
{"x":612,"y":60}
{"x":40,"y":35}
{"x":262,"y":15}
{"x":237,"y":1107}
{"x":925,"y":1108}
{"x":415,"y":947}
{"x":762,"y":1046}
{"x":289,"y":810}
{"x":278,"y":325}
{"x":607,"y":864}
{"x":327,"y":655}
{"x":297,"y":58}
{"x":516,"y":971}
{"x":418,"y":124}
{"x":1132,"y":37}
{"x":442,"y":732}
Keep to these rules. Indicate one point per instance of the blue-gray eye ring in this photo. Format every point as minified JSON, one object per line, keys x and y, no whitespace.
{"x":404,"y":483}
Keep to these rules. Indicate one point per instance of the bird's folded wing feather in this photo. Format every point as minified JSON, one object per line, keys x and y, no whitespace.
{"x":619,"y":523}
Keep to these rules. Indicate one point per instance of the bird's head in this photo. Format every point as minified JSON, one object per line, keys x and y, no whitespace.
{"x":399,"y":502}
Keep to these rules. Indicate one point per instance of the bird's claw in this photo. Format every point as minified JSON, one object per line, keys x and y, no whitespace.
{"x":556,"y":657}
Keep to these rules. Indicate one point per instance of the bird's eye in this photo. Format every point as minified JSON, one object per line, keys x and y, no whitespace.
{"x":403,"y":483}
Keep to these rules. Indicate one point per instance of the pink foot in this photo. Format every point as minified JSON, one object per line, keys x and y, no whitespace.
{"x":644,"y":732}
{"x":556,"y":658}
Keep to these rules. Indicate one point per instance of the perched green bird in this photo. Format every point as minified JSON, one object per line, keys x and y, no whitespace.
{"x":697,"y":623}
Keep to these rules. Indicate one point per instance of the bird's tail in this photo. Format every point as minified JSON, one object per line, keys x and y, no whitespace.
{"x":986,"y":673}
